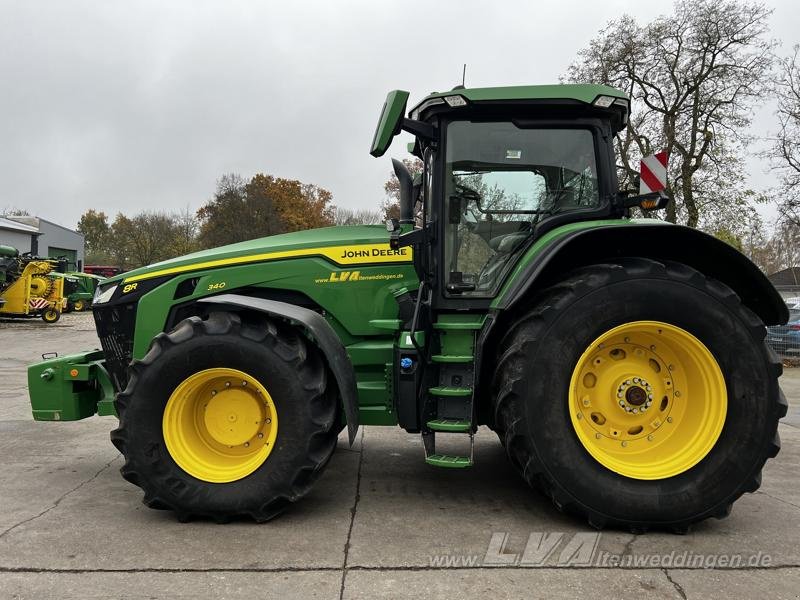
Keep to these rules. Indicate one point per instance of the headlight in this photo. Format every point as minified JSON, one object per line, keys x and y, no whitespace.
{"x":102,"y":295}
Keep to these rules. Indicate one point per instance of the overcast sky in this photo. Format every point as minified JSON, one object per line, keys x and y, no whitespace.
{"x":128,"y":106}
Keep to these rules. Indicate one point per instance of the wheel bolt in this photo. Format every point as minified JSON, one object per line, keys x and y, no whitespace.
{"x":247,"y":444}
{"x":268,"y":421}
{"x":671,"y":367}
{"x":677,"y":394}
{"x":260,"y":435}
{"x":627,"y":340}
{"x":669,"y":419}
{"x":244,"y":383}
{"x":653,"y":348}
{"x":624,"y":444}
{"x":227,"y":384}
{"x":213,"y":392}
{"x":650,"y":438}
{"x":579,"y":416}
{"x":597,"y":435}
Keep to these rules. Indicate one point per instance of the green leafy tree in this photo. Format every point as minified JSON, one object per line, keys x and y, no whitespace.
{"x":96,"y":231}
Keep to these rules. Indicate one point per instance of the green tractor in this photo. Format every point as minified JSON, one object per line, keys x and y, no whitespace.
{"x":621,"y":361}
{"x":82,"y":287}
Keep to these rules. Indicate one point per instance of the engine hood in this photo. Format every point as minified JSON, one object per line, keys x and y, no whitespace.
{"x":360,"y":240}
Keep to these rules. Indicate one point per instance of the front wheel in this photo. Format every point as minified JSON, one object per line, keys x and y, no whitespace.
{"x":639,"y":394}
{"x":225,"y":418}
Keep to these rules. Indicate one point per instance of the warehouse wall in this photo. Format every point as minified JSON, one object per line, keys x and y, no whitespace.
{"x":20,"y":240}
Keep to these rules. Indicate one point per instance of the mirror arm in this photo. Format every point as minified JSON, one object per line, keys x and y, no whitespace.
{"x":420,"y":129}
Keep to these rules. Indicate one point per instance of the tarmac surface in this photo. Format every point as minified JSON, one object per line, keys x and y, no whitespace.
{"x":380,"y":523}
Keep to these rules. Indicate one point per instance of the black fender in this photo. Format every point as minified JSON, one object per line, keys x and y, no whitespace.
{"x":659,"y":241}
{"x":324,"y":337}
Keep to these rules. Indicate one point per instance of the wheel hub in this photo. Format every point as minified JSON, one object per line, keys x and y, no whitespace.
{"x":635,"y":395}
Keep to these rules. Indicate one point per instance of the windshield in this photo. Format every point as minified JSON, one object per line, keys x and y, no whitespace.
{"x":500,"y":181}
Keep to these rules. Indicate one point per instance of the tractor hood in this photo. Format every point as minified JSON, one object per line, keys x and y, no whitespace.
{"x":325,"y":242}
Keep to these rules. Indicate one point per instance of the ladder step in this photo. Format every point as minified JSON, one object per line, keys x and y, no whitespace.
{"x":449,"y":462}
{"x":450,"y":425}
{"x":452,"y":358}
{"x":450,"y":391}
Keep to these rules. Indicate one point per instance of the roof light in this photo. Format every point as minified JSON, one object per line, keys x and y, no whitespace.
{"x":604,"y":101}
{"x":427,"y":104}
{"x":455,"y":101}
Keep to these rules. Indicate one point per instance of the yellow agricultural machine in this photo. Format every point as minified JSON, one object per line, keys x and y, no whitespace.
{"x":27,"y":287}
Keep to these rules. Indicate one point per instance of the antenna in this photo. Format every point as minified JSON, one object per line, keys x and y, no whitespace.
{"x":464,"y":75}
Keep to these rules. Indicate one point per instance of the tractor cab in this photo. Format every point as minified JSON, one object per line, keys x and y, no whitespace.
{"x":501,"y":167}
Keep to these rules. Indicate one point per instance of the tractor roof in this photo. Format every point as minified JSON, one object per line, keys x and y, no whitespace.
{"x":571,"y":92}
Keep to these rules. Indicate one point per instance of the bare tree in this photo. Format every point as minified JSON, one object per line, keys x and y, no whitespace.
{"x":785,"y":150}
{"x":693,"y":78}
{"x":349,"y":216}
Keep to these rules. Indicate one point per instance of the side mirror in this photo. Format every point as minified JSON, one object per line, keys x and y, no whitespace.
{"x":390,"y":122}
{"x":406,"y":191}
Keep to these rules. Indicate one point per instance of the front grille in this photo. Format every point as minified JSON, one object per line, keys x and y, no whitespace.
{"x":115,"y":326}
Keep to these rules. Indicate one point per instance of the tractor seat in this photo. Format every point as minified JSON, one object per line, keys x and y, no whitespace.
{"x":505,"y":244}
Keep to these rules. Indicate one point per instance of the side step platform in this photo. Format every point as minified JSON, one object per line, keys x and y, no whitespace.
{"x":447,"y":461}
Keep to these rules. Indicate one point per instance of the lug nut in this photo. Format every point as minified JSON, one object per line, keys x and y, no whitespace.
{"x":624,"y":444}
{"x":227,"y":384}
{"x":247,"y":444}
{"x":260,"y":435}
{"x":650,"y":438}
{"x":244,"y":383}
{"x":213,"y":392}
{"x":669,"y":419}
{"x":677,"y":394}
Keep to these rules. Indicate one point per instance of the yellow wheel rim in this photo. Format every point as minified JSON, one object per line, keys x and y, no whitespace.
{"x":50,"y":315}
{"x":648,"y":400}
{"x":220,"y":425}
{"x":79,"y":305}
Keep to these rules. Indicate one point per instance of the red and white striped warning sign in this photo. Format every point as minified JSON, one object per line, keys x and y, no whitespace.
{"x":653,"y":173}
{"x":39,"y":303}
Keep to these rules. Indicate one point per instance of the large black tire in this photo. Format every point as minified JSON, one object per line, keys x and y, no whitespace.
{"x":531,"y":386}
{"x":279,"y":358}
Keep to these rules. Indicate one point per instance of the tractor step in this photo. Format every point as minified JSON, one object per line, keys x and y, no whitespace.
{"x":450,"y":425}
{"x":450,"y":391}
{"x":449,"y":462}
{"x":452,"y":358}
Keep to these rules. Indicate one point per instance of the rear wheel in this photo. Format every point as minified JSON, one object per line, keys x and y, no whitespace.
{"x":51,"y":315}
{"x":639,"y":394}
{"x":225,"y":418}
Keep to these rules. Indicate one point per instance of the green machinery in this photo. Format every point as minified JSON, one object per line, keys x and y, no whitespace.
{"x":79,"y":289}
{"x":620,"y":361}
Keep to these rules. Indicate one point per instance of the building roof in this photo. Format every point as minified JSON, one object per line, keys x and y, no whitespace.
{"x":786,"y":277}
{"x":36,"y":222}
{"x":8,"y":224}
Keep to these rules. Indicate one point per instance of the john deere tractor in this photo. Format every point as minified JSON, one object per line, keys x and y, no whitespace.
{"x":620,"y":361}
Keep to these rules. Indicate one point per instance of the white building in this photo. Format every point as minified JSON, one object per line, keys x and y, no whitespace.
{"x":19,"y":235}
{"x":47,"y":239}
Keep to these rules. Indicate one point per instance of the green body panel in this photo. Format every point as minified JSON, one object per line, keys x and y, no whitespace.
{"x":68,"y":388}
{"x":363,"y":311}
